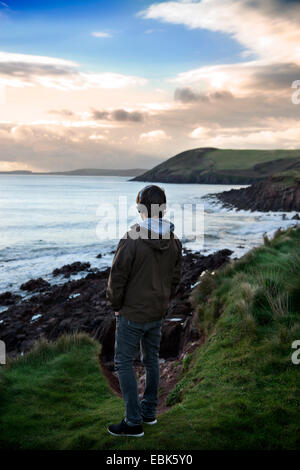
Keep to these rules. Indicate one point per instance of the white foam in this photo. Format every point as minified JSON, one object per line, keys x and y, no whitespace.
{"x":194,"y":285}
{"x":73,"y":296}
{"x":35,"y":317}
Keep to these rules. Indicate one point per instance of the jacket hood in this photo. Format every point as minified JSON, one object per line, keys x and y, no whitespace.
{"x":159,"y":226}
{"x":157,"y":233}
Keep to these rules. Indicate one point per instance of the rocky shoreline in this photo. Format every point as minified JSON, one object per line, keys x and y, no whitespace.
{"x":81,"y":305}
{"x":278,"y":193}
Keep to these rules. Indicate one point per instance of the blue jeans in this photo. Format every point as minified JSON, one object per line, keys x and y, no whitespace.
{"x":130,"y":336}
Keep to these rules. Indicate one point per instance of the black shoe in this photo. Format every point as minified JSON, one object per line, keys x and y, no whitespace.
{"x":149,"y":420}
{"x":123,"y":429}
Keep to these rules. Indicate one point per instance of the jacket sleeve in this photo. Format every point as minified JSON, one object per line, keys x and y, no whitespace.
{"x":120,"y":272}
{"x":177,"y":269}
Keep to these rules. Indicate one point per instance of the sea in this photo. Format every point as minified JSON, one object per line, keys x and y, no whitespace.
{"x":47,"y":221}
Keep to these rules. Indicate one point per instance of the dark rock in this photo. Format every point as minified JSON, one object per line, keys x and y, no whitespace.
{"x":99,"y":256}
{"x":66,"y":324}
{"x":35,"y":285}
{"x":172,"y":333}
{"x":7,"y":298}
{"x":105,"y":333}
{"x":272,"y":194}
{"x":296,"y":217}
{"x":26,"y":345}
{"x":73,"y":268}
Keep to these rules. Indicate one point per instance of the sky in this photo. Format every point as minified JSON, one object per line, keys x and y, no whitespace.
{"x":130,"y":83}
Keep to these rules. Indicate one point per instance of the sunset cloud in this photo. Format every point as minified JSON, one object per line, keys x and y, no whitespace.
{"x":21,"y":70}
{"x":242,"y":79}
{"x":155,"y":136}
{"x":135,"y":100}
{"x":62,"y":112}
{"x":97,"y":137}
{"x":234,"y":138}
{"x":119,"y":115}
{"x":41,"y":145}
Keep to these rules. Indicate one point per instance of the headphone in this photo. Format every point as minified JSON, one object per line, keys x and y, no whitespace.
{"x":139,"y":204}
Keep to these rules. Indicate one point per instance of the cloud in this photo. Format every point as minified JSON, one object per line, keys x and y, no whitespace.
{"x":246,"y":78}
{"x":154,"y":136}
{"x":101,"y":115}
{"x":199,"y":132}
{"x":119,"y":115}
{"x":20,"y":70}
{"x":62,"y":112}
{"x":238,"y":94}
{"x":244,"y":111}
{"x":97,"y":137}
{"x":68,"y":142}
{"x":235,"y":138}
{"x":276,"y":24}
{"x":55,"y":147}
{"x":101,"y":34}
{"x":17,"y":165}
{"x":188,"y":95}
{"x":238,"y":105}
{"x":122,"y":115}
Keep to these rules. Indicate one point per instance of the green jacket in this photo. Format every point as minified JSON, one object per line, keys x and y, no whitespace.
{"x":144,"y":274}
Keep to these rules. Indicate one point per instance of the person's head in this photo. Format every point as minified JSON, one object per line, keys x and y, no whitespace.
{"x":151,"y":202}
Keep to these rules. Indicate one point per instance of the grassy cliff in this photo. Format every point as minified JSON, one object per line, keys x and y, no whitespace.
{"x":240,"y":390}
{"x":222,"y":166}
{"x":55,"y":397}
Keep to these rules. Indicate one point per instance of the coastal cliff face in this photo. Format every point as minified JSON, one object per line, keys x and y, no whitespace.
{"x":277,"y":193}
{"x":222,"y":166}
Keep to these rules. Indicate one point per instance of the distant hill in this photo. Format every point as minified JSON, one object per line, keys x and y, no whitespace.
{"x":16,"y":172}
{"x":222,"y":166}
{"x":81,"y":172}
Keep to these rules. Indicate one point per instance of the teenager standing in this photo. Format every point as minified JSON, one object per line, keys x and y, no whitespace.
{"x":144,"y":274}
